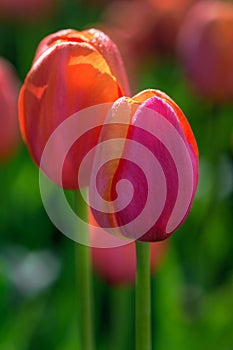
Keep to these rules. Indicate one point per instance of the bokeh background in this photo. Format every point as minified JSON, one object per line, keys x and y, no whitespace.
{"x":192,"y":290}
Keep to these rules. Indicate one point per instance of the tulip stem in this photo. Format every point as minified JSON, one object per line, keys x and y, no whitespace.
{"x":84,"y":279}
{"x":143,"y":297}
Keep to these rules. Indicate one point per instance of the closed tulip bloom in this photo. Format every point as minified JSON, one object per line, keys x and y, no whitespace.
{"x":117,"y":266}
{"x":71,"y":71}
{"x":206,"y":51}
{"x":9,"y":88}
{"x":145,"y":174}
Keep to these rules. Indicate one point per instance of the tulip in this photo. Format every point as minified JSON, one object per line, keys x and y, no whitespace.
{"x":159,"y":24}
{"x":25,"y":9}
{"x":205,"y":49}
{"x":168,"y":17}
{"x":117,"y":266}
{"x":120,"y":21}
{"x":122,"y":18}
{"x":145,"y":189}
{"x":9,"y":88}
{"x":71,"y":71}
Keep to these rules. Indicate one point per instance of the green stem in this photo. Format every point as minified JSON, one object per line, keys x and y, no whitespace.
{"x":84,"y":282}
{"x":143,"y":297}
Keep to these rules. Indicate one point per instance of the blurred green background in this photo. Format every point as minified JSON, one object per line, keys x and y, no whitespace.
{"x":192,"y":292}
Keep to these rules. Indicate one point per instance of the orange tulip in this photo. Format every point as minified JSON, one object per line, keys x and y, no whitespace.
{"x":9,"y":88}
{"x":71,"y":71}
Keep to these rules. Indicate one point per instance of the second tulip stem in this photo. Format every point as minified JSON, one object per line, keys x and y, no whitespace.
{"x":84,"y":281}
{"x":143,"y":297}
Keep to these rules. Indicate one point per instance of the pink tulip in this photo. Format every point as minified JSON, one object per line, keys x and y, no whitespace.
{"x":206,"y":51}
{"x":145,"y":174}
{"x":71,"y":71}
{"x":9,"y":88}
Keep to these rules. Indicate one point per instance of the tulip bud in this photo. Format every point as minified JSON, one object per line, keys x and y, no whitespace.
{"x":205,"y":49}
{"x":71,"y":71}
{"x":117,"y":266}
{"x":145,"y":170}
{"x":9,"y":88}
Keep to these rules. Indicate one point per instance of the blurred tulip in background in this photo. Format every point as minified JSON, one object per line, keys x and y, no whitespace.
{"x":117,"y":266}
{"x":168,"y":16}
{"x":144,"y":30}
{"x":31,"y":10}
{"x":205,"y":49}
{"x":9,"y":88}
{"x":131,"y":25}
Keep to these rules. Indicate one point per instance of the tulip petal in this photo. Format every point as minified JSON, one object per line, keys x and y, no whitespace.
{"x":143,"y":95}
{"x":101,"y":42}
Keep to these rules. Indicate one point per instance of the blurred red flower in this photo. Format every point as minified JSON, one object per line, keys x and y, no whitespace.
{"x":205,"y":48}
{"x":117,"y":266}
{"x":143,"y":30}
{"x":148,"y":27}
{"x":26,"y":9}
{"x":168,"y":17}
{"x":9,"y":89}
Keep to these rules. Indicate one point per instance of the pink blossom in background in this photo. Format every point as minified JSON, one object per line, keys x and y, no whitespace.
{"x":168,"y":17}
{"x":117,"y":266}
{"x":133,"y":22}
{"x":9,"y":89}
{"x":143,"y":30}
{"x":205,"y":49}
{"x":148,"y":27}
{"x":130,"y":24}
{"x":31,"y":10}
